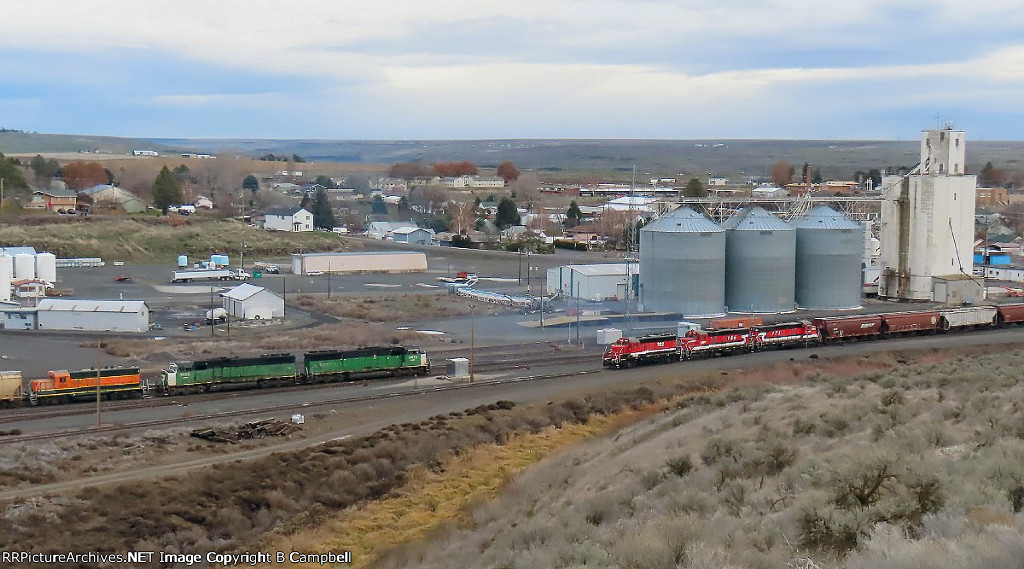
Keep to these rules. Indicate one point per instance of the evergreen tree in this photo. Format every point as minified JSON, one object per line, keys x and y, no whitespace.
{"x":573,"y":214}
{"x":323,"y":215}
{"x":507,"y":214}
{"x":251,"y":183}
{"x":166,"y":190}
{"x":694,"y":189}
{"x":378,"y":207}
{"x":305,"y":202}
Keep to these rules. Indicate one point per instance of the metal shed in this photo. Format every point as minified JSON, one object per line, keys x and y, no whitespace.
{"x":829,"y":248}
{"x":760,"y":267}
{"x":93,"y":315}
{"x":682,"y":265}
{"x":252,"y":302}
{"x":592,"y":282}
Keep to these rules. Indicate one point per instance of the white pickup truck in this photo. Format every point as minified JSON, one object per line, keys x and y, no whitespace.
{"x":209,"y":275}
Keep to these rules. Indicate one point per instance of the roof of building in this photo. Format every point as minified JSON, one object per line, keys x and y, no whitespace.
{"x":824,"y":217}
{"x":606,"y":269}
{"x":17,"y":250}
{"x":682,"y":220}
{"x":243,"y":291}
{"x":57,"y":193}
{"x":756,"y":219}
{"x":96,"y":189}
{"x":285,"y":211}
{"x":408,"y":230}
{"x":80,"y":305}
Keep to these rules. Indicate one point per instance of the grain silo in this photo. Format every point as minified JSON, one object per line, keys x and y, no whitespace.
{"x":682,"y":265}
{"x":829,"y":247}
{"x":760,"y":263}
{"x":24,"y":266}
{"x":46,"y":267}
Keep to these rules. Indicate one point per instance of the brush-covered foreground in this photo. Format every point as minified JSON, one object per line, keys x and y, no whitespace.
{"x":920,"y":466}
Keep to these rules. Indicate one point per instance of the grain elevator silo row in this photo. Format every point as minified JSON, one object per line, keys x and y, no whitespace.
{"x":760,"y":263}
{"x":829,"y":247}
{"x":682,"y":265}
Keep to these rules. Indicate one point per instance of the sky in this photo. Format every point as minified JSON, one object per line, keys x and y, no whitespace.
{"x":479,"y":69}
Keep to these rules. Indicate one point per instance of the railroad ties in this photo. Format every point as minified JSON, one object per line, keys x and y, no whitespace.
{"x":249,"y":431}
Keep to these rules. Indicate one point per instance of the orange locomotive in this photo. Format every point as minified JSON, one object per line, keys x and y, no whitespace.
{"x":65,"y":386}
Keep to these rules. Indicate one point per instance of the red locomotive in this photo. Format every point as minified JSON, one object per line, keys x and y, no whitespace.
{"x":627,"y":352}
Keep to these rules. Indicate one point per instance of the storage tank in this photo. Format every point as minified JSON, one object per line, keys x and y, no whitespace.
{"x":24,"y":266}
{"x":6,"y":275}
{"x":829,"y":247}
{"x":682,"y":265}
{"x":219,"y":260}
{"x":182,"y":261}
{"x":46,"y":267}
{"x":760,"y":263}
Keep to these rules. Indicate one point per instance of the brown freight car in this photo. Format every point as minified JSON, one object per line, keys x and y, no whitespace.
{"x":738,"y":322}
{"x":907,"y":322}
{"x":1010,"y":314}
{"x":839,"y":327}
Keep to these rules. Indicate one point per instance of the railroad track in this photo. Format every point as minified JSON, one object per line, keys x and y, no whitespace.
{"x":492,"y":358}
{"x":293,"y":406}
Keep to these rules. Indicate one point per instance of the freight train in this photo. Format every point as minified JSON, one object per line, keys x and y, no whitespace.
{"x":205,"y":375}
{"x":660,"y":348}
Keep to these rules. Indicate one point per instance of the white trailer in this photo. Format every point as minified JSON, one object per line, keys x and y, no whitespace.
{"x":209,"y":275}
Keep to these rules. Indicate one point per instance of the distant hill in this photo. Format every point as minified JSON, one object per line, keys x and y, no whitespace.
{"x":17,"y":142}
{"x":736,"y":159}
{"x":731,"y":158}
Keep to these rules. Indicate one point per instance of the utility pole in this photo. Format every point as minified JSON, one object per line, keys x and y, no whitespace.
{"x":99,"y":379}
{"x":520,"y":279}
{"x":577,"y":314}
{"x":213,"y":321}
{"x":529,"y":269}
{"x":241,"y":256}
{"x":1,"y":194}
{"x":328,"y":280}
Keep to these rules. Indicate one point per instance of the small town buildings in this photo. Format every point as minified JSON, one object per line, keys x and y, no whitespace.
{"x":288,"y":219}
{"x":203,"y":202}
{"x":53,"y":199}
{"x":106,"y":194}
{"x":595,"y":282}
{"x":989,"y":197}
{"x":92,"y":315}
{"x":415,"y":235}
{"x":252,"y":303}
{"x":361,"y":262}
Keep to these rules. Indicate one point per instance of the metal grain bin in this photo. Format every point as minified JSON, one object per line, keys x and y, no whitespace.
{"x":760,"y":263}
{"x":682,"y":265}
{"x":829,"y":248}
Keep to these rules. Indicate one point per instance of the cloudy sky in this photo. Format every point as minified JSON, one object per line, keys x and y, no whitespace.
{"x":451,"y":69}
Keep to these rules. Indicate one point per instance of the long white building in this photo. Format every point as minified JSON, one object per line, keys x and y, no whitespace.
{"x":927,"y":233}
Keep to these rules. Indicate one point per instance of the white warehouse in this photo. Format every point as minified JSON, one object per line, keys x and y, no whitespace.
{"x":252,"y":303}
{"x":592,"y":282}
{"x":93,"y":315}
{"x":364,"y":262}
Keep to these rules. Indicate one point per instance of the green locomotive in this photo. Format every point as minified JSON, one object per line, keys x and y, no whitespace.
{"x":393,"y":360}
{"x":278,"y":369}
{"x":202,"y":375}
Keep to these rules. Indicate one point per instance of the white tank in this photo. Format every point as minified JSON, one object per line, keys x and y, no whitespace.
{"x":6,"y":272}
{"x":46,"y":267}
{"x":24,"y":266}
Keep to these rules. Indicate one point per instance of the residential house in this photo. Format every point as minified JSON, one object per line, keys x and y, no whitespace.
{"x":382,"y":230}
{"x":989,"y":197}
{"x":287,"y":188}
{"x":288,"y":219}
{"x":53,"y":200}
{"x":203,"y":202}
{"x":414,"y":235}
{"x":425,"y":181}
{"x":486,"y":182}
{"x":392,"y":185}
{"x":456,"y":182}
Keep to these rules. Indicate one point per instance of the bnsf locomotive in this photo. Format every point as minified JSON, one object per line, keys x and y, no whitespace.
{"x":626,"y":352}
